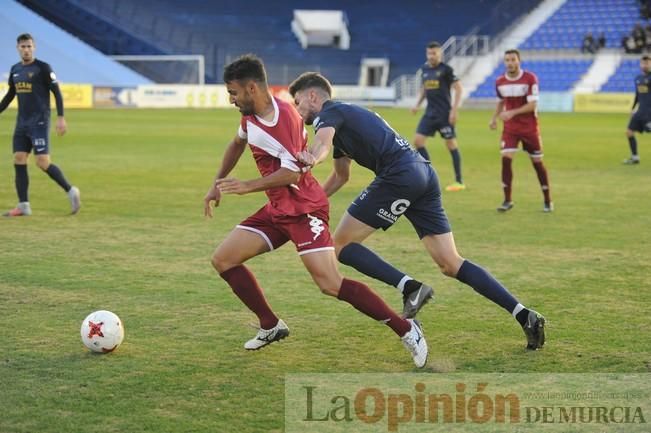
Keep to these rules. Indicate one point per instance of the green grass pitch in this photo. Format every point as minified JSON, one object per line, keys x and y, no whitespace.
{"x":140,"y":247}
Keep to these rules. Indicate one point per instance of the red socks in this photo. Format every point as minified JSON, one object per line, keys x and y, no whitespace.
{"x":364,"y":299}
{"x":541,"y":171}
{"x":507,"y":177}
{"x":250,"y":293}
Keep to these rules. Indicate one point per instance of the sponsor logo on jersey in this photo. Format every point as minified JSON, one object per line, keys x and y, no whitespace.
{"x":432,"y":84}
{"x":23,"y":87}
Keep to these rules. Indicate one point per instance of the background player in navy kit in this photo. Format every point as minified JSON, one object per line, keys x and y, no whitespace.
{"x":641,"y":119}
{"x":405,"y":183}
{"x":33,"y":80}
{"x":440,"y":114}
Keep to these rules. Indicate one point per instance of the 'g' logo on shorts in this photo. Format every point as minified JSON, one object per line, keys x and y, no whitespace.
{"x":399,"y":206}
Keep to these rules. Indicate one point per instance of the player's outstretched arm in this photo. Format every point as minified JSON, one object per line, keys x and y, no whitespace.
{"x":320,"y":148}
{"x":231,"y":156}
{"x":339,"y":175}
{"x":281,"y":177}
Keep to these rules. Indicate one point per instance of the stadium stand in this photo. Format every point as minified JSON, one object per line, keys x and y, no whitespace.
{"x":221,"y":31}
{"x":562,"y":33}
{"x":622,"y":79}
{"x":553,"y":75}
{"x":567,"y":27}
{"x":73,"y":60}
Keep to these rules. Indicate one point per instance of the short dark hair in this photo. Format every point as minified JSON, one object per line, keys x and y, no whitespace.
{"x":646,"y":57}
{"x":434,"y":44}
{"x":24,"y":37}
{"x":308,"y":80}
{"x":244,"y":68}
{"x":513,"y":51}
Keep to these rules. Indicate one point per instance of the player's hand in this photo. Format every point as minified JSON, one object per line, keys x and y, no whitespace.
{"x":493,"y":124}
{"x":230,"y":185}
{"x":453,"y":117}
{"x":305,"y":157}
{"x":506,"y":115}
{"x":414,"y":110}
{"x":61,"y":126}
{"x":213,"y":195}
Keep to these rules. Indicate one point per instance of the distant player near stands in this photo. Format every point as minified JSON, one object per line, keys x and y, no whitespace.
{"x":641,"y":118}
{"x":517,"y":91}
{"x":441,"y":112}
{"x":405,"y":183}
{"x":33,"y":80}
{"x":297,"y":211}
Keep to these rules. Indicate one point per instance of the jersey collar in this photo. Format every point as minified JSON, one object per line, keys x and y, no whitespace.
{"x":506,"y":75}
{"x":274,"y":121}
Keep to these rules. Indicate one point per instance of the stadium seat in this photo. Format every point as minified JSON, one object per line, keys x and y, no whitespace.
{"x":576,"y":18}
{"x":223,"y":30}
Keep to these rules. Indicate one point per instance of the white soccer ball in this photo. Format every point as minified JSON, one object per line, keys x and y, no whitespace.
{"x":102,"y":331}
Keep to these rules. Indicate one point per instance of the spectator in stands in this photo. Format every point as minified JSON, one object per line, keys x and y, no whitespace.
{"x":601,"y":41}
{"x":645,"y":9}
{"x":639,"y":37}
{"x":628,"y":44}
{"x":588,"y":45}
{"x":647,"y":33}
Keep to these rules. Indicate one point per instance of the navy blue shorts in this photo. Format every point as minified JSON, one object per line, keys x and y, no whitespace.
{"x":640,"y":122}
{"x":412,"y":190}
{"x":36,"y":138}
{"x":428,"y":126}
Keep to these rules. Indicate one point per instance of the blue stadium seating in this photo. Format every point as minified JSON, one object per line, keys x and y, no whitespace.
{"x":225,"y":29}
{"x":622,"y":79}
{"x":566,"y":28}
{"x":73,"y":61}
{"x":553,"y":75}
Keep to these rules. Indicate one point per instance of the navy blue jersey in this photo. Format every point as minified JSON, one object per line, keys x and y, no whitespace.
{"x":33,"y":84}
{"x":437,"y":82}
{"x":365,"y":137}
{"x":642,"y":94}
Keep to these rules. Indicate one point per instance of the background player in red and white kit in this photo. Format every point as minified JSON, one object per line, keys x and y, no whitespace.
{"x":517,"y":91}
{"x":297,"y":211}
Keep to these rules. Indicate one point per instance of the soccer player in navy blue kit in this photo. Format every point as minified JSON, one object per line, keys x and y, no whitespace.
{"x":32,"y":81}
{"x":405,"y":183}
{"x":441,"y":113}
{"x":641,"y":119}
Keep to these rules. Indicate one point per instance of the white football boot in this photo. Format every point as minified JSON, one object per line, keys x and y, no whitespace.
{"x":414,"y":341}
{"x":75,"y":199}
{"x":267,"y":336}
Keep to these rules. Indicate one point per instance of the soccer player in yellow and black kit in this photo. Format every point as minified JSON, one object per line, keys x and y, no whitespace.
{"x":33,"y":80}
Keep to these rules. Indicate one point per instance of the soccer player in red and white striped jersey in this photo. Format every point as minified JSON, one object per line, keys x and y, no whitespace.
{"x":518,"y":91}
